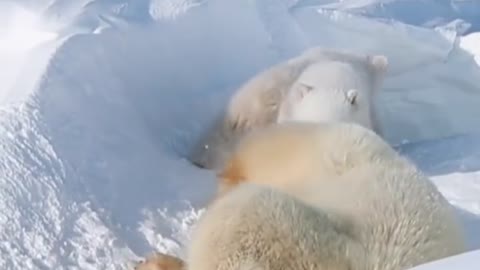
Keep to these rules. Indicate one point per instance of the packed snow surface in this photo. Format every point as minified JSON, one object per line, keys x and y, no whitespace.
{"x":466,"y":261}
{"x":471,"y":43}
{"x":103,"y":99}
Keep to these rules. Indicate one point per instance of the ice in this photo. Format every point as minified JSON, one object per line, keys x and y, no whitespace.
{"x":95,"y":122}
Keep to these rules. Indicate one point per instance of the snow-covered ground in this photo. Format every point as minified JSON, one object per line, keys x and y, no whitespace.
{"x":427,"y":13}
{"x":96,"y":120}
{"x":465,"y":261}
{"x":471,"y":43}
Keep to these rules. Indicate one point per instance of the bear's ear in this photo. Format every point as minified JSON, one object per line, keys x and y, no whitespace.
{"x":352,"y":96}
{"x":379,"y":63}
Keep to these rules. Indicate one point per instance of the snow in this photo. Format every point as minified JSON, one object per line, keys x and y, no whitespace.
{"x":97,"y":116}
{"x":20,"y":31}
{"x":466,"y":261}
{"x":471,"y":43}
{"x":426,"y":13}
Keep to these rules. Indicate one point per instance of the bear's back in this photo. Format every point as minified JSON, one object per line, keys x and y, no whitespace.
{"x":268,"y":229}
{"x":290,"y":156}
{"x":404,"y":214}
{"x":352,"y":172}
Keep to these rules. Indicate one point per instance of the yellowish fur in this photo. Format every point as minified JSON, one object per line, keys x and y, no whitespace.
{"x":160,"y":261}
{"x":323,"y":196}
{"x":349,"y":170}
{"x":256,"y":103}
{"x":288,"y":154}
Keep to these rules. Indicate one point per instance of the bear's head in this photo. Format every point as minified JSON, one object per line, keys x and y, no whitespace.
{"x":336,"y":90}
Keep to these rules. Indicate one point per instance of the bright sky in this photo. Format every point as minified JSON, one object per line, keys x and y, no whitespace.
{"x":21,"y":30}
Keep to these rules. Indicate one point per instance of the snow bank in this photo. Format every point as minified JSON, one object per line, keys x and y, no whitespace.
{"x":471,"y":43}
{"x":92,"y":157}
{"x":425,"y":13}
{"x":20,"y":31}
{"x":466,"y":261}
{"x":92,"y":162}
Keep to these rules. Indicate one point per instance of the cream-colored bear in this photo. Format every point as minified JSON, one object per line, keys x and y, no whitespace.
{"x":349,"y":170}
{"x":160,"y":261}
{"x":256,"y":104}
{"x":323,"y":196}
{"x":256,"y":227}
{"x":331,"y":91}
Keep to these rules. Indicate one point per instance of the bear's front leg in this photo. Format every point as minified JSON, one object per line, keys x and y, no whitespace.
{"x":160,"y":261}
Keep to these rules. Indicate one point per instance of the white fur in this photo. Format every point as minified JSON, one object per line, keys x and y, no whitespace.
{"x":256,"y":103}
{"x":331,"y":91}
{"x":360,"y":206}
{"x":255,"y":227}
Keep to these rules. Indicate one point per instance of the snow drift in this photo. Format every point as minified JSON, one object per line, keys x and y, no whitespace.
{"x":466,"y":261}
{"x":92,"y":157}
{"x":471,"y":43}
{"x":426,"y":13}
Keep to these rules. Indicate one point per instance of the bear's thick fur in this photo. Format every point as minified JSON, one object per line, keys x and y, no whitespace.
{"x":348,"y":169}
{"x":257,"y":227}
{"x":332,"y":91}
{"x":256,"y":103}
{"x":287,"y":155}
{"x":323,"y":196}
{"x":160,"y":261}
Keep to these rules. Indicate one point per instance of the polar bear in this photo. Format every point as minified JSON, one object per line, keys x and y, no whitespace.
{"x":323,"y":196}
{"x":159,"y":261}
{"x":352,"y":171}
{"x":345,"y":97}
{"x":256,"y":103}
{"x":257,"y":227}
{"x":287,"y":154}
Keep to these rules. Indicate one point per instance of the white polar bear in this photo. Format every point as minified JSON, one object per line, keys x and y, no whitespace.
{"x":345,"y":97}
{"x":256,"y":103}
{"x":349,"y":170}
{"x":259,"y":228}
{"x":323,"y":196}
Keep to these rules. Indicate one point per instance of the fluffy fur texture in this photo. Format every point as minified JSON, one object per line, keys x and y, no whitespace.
{"x":343,"y":93}
{"x":349,"y":170}
{"x":256,"y":227}
{"x":287,"y":155}
{"x":256,"y":104}
{"x":323,"y":196}
{"x":159,"y":261}
{"x":259,"y":228}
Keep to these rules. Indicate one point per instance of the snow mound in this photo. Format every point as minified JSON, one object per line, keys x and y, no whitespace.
{"x":425,"y":13}
{"x":93,"y":171}
{"x":170,"y":9}
{"x":20,"y":31}
{"x":471,"y":43}
{"x":92,"y":162}
{"x":466,"y":261}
